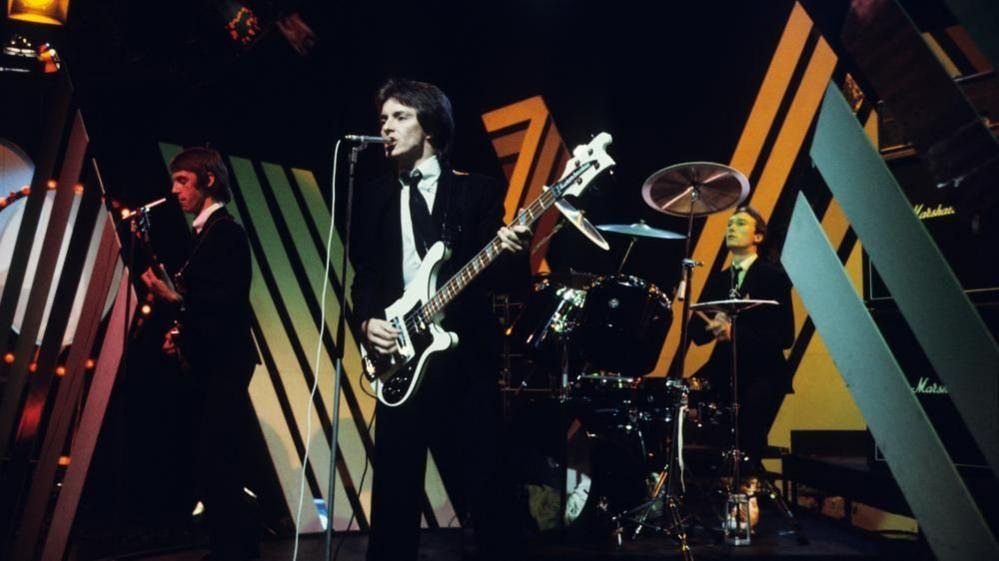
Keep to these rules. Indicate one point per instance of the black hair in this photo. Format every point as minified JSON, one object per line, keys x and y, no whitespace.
{"x":433,"y":110}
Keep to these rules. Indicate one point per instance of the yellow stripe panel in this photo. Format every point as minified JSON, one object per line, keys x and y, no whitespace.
{"x":799,"y":118}
{"x":772,"y":91}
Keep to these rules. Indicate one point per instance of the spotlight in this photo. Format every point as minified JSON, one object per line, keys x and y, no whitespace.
{"x":49,"y":59}
{"x":241,"y":22}
{"x":49,"y":12}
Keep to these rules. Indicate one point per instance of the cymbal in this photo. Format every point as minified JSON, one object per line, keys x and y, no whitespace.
{"x":642,"y":230}
{"x":732,"y":305}
{"x":697,"y":188}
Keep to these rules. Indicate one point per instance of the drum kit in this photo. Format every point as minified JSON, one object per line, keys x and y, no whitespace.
{"x":597,"y":336}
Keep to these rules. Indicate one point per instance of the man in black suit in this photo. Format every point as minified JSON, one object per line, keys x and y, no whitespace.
{"x":456,"y":412}
{"x":212,"y":296}
{"x":762,"y":333}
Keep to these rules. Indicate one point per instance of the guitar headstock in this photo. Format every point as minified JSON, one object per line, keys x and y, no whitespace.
{"x":587,"y":162}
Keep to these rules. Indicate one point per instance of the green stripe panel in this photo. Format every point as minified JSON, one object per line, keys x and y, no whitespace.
{"x":932,"y":486}
{"x":946,"y":324}
{"x":313,"y":261}
{"x":354,"y":453}
{"x":290,"y":292}
{"x":321,"y":218}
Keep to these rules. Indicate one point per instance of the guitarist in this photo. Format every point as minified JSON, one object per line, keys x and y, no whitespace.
{"x":456,"y":413}
{"x":213,"y":297}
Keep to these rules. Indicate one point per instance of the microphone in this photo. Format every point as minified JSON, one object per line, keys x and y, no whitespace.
{"x":364,"y":139}
{"x":143,"y":208}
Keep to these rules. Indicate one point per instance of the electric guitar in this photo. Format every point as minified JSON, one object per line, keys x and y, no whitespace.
{"x":141,"y":227}
{"x":418,"y":313}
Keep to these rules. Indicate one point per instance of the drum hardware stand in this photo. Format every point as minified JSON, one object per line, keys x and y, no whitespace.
{"x":669,"y":489}
{"x":736,"y":526}
{"x":737,"y":515}
{"x":767,"y":488}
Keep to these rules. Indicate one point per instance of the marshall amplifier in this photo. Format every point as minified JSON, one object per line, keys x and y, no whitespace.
{"x":927,"y":386}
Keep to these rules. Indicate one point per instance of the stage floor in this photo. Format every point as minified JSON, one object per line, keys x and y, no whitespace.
{"x":827,"y":539}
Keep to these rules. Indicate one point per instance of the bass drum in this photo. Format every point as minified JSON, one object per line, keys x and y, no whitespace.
{"x":624,"y":325}
{"x":576,"y":470}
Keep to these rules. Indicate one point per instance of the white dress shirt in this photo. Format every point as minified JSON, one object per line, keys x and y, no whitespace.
{"x":431,"y":170}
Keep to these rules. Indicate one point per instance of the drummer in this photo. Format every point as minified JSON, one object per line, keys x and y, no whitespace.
{"x":762,"y":333}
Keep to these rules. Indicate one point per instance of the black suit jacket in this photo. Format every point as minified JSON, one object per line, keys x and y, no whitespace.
{"x":469,"y":209}
{"x":215,"y":318}
{"x":762,"y":333}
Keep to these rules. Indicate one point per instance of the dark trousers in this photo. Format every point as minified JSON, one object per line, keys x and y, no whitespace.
{"x":457,"y":415}
{"x":222,"y":417}
{"x":759,"y":404}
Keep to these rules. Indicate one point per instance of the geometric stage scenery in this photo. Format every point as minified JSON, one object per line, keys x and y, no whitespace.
{"x":853,"y":413}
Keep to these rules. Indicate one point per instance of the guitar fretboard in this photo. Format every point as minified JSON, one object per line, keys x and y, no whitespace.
{"x":453,"y":287}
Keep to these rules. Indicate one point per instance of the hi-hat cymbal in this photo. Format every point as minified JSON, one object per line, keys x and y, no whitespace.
{"x":697,"y":188}
{"x":640,"y":229}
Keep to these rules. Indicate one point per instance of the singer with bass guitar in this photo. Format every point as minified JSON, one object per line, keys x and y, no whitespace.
{"x":211,"y":294}
{"x":457,"y":412}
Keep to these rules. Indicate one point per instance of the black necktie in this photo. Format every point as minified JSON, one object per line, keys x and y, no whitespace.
{"x":424,"y":232}
{"x":734,"y":292}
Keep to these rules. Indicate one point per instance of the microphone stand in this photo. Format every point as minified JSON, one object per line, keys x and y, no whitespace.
{"x":340,"y":340}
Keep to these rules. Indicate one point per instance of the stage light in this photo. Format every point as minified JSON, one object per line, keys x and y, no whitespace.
{"x":25,"y":190}
{"x":125,"y":213}
{"x":60,"y":371}
{"x":241,"y":22}
{"x":52,"y":184}
{"x":146,"y":309}
{"x":49,"y":12}
{"x":63,"y":461}
{"x":89,"y":364}
{"x":8,"y":358}
{"x":33,"y":367}
{"x":78,"y":188}
{"x":49,"y":59}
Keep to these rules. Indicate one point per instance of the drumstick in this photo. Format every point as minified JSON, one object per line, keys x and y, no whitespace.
{"x":703,"y":316}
